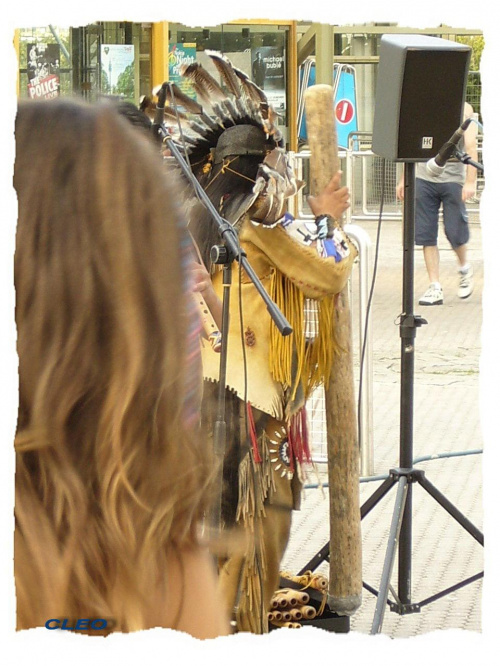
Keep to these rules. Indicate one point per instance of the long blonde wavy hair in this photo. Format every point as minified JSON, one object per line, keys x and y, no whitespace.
{"x":109,"y":479}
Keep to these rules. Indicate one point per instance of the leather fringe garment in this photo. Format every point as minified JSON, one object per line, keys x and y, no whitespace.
{"x":269,"y":378}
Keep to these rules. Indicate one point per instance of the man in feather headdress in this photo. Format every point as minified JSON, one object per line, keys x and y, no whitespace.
{"x":236,"y":152}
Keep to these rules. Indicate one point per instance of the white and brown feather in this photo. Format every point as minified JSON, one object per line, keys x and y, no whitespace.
{"x":204,"y":83}
{"x":226,"y":71}
{"x":240,"y":102}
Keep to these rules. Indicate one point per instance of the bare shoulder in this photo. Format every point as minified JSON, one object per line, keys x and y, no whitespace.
{"x":192,"y":603}
{"x":468,"y":110}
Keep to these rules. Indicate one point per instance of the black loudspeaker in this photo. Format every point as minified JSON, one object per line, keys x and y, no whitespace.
{"x":420,"y":95}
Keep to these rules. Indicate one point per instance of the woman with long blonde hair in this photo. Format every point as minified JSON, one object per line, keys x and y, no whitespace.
{"x":111,"y":476}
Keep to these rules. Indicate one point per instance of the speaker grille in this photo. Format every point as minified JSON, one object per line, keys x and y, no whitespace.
{"x":420,"y":95}
{"x":431,"y":101}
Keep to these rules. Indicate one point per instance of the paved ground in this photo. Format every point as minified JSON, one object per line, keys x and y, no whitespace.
{"x":446,"y":419}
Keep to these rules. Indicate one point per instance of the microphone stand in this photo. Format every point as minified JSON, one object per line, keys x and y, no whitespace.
{"x":224,"y":254}
{"x":467,"y":159}
{"x":406,"y":475}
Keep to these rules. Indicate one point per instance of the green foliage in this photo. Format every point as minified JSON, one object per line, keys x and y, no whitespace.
{"x":476,"y":42}
{"x":105,"y":87}
{"x":125,"y":83}
{"x":473,"y":92}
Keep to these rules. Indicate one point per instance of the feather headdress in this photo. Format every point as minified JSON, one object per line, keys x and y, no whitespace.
{"x":233,"y":102}
{"x":235,"y":118}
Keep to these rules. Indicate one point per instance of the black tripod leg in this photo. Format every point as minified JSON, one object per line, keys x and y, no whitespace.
{"x":318,"y":559}
{"x":324,"y":554}
{"x":405,"y":549}
{"x":452,"y":510}
{"x":381,"y":492}
{"x":390,"y":555}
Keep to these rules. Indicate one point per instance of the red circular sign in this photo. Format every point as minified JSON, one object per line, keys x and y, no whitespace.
{"x":344,"y":111}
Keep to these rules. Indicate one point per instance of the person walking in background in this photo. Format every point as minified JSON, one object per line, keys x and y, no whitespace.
{"x":112,"y":477}
{"x":452,"y":188}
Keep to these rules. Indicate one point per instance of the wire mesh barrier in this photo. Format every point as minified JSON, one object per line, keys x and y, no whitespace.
{"x":316,"y":413}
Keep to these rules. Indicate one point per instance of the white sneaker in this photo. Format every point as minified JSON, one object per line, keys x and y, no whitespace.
{"x":433,"y":295}
{"x":466,"y":284}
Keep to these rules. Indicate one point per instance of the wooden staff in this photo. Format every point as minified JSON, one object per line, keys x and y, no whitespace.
{"x":345,"y":585}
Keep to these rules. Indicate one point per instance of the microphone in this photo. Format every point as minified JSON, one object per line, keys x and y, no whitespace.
{"x":160,"y":112}
{"x":435,"y":166}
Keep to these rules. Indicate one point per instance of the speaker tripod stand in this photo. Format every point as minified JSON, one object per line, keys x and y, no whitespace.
{"x":404,"y":476}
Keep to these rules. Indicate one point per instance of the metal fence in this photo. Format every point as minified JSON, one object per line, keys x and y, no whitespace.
{"x":368,"y":174}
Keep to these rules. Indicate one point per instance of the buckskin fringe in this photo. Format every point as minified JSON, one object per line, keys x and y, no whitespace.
{"x":311,"y":359}
{"x":255,"y":482}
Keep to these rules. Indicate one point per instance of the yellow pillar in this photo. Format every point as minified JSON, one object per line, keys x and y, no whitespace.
{"x":324,"y":54}
{"x":159,"y":53}
{"x":293,"y":94}
{"x":17,"y":37}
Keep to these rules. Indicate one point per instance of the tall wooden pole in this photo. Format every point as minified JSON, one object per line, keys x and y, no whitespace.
{"x":345,"y":586}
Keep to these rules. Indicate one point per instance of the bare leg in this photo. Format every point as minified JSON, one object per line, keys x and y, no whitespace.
{"x":431,"y":257}
{"x":466,"y":283}
{"x":461,"y":252}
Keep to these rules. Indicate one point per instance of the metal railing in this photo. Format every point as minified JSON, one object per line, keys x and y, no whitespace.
{"x":366,"y":174}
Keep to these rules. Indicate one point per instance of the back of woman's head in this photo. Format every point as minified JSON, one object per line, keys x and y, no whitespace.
{"x":107,"y":474}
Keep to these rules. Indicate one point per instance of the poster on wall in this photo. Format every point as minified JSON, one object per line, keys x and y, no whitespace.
{"x":268,"y":72}
{"x":43,"y":70}
{"x":117,"y":70}
{"x":345,"y":105}
{"x":178,"y":55}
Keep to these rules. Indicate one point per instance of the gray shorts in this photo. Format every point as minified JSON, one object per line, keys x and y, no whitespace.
{"x":429,"y":197}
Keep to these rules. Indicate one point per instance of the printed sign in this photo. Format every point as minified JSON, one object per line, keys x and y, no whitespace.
{"x":268,"y":72}
{"x":344,"y":111}
{"x":181,"y":54}
{"x":117,"y":69}
{"x":344,"y":83}
{"x":345,"y":106}
{"x":43,"y":70}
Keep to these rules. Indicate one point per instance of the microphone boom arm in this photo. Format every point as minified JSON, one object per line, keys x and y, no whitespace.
{"x":467,"y":159}
{"x":229,"y":238}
